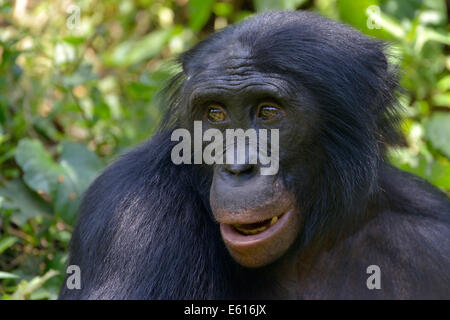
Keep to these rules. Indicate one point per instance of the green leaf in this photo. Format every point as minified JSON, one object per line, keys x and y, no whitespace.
{"x":199,"y":13}
{"x":40,"y":170}
{"x":7,"y":275}
{"x":84,"y":164}
{"x":19,"y":197}
{"x":223,"y":9}
{"x":438,"y":131}
{"x":444,"y":83}
{"x":6,"y":7}
{"x":80,"y":166}
{"x":64,"y":181}
{"x":357,"y":13}
{"x":7,"y":243}
{"x":442,"y":99}
{"x":439,"y":172}
{"x":131,"y":52}
{"x":82,"y":75}
{"x":264,"y":5}
{"x":74,"y":40}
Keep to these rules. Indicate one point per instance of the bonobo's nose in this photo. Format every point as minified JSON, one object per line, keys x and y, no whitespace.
{"x":240,"y":169}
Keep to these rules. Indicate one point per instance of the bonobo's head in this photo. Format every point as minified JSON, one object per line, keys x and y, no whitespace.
{"x":326,"y":88}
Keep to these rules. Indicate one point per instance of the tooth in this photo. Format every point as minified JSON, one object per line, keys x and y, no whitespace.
{"x":273,"y":221}
{"x":251,"y":231}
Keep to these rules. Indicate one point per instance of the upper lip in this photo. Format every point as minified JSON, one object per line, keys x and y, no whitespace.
{"x":250,"y":216}
{"x":254,"y":215}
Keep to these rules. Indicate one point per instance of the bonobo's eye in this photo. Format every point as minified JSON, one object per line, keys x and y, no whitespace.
{"x":269,"y":111}
{"x":216,"y":114}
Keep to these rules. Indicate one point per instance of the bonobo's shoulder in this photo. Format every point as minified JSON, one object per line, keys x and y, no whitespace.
{"x":413,"y":251}
{"x":410,"y":231}
{"x":405,"y":193}
{"x":414,"y":215}
{"x":409,"y":238}
{"x":410,"y":252}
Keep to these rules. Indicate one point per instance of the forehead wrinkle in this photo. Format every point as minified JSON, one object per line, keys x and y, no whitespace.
{"x":234,"y":70}
{"x":232,"y":58}
{"x":239,"y":84}
{"x":240,"y":67}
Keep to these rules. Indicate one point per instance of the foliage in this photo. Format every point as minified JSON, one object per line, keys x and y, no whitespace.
{"x":76,"y":92}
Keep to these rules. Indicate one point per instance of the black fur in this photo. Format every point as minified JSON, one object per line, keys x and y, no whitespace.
{"x":145,"y":229}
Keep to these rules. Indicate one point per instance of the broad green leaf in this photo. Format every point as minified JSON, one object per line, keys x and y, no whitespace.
{"x":199,"y":13}
{"x":41,"y":173}
{"x":64,"y":181}
{"x":131,"y":52}
{"x":82,"y":165}
{"x":19,"y":197}
{"x":364,"y":15}
{"x":438,"y":131}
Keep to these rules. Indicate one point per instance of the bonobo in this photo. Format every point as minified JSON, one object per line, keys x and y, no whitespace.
{"x":335,"y":209}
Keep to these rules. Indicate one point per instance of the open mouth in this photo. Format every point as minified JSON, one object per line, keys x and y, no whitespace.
{"x":258,"y":227}
{"x":252,"y":233}
{"x":258,"y":243}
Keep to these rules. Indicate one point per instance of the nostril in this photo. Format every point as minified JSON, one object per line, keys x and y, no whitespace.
{"x":239,"y":169}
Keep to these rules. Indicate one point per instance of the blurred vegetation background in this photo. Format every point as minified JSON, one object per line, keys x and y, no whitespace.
{"x":77,"y":88}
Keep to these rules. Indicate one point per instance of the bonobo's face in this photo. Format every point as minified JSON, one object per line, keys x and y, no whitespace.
{"x":259,"y":218}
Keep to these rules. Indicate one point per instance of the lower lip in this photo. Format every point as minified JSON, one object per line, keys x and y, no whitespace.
{"x":230,"y":234}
